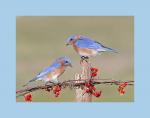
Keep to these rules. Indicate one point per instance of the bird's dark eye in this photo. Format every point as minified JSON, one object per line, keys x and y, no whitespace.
{"x":66,"y":61}
{"x":71,"y":39}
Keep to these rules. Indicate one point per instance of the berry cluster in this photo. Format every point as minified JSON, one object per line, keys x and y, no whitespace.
{"x":93,"y":72}
{"x":89,"y":88}
{"x":122,"y":87}
{"x":28,"y":97}
{"x":56,"y":90}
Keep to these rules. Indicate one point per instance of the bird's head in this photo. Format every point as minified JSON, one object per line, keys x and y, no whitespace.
{"x":65,"y":60}
{"x":72,"y":39}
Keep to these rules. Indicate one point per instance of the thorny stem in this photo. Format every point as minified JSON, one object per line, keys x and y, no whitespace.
{"x":71,"y":84}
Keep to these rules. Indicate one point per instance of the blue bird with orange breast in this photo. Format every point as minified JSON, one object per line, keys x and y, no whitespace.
{"x":87,"y":47}
{"x":51,"y":73}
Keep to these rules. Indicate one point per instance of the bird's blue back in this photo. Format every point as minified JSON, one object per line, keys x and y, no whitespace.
{"x":85,"y":42}
{"x":49,"y":69}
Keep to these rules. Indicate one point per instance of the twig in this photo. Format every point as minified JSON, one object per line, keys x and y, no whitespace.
{"x":71,"y":84}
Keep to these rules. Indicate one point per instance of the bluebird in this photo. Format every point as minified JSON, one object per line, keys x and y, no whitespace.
{"x":52,"y":72}
{"x":87,"y":47}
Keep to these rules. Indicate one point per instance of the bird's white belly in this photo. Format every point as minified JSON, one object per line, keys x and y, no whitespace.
{"x":52,"y":79}
{"x":92,"y":53}
{"x":55,"y":76}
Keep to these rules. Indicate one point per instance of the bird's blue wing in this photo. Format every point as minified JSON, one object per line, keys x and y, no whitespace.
{"x":85,"y":42}
{"x":44,"y":72}
{"x":47,"y":70}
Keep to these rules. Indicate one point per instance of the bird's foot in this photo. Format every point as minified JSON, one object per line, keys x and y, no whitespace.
{"x":83,"y":58}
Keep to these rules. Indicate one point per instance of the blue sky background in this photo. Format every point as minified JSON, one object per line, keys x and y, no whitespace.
{"x":8,"y":12}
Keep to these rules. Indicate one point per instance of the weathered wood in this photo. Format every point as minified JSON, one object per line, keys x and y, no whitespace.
{"x":85,"y":74}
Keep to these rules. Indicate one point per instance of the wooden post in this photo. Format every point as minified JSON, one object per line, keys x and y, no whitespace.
{"x":85,"y":74}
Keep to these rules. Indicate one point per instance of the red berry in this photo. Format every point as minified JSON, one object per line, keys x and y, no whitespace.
{"x":94,"y":69}
{"x":98,"y":93}
{"x":54,"y":88}
{"x":93,"y":88}
{"x":121,"y":88}
{"x":87,"y":85}
{"x":122,"y":92}
{"x":57,"y":94}
{"x":28,"y":97}
{"x":94,"y":74}
{"x":125,"y":84}
{"x":58,"y":88}
{"x":87,"y":90}
{"x":90,"y":88}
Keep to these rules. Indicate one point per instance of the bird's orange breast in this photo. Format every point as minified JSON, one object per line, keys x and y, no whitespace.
{"x":56,"y":73}
{"x":83,"y":50}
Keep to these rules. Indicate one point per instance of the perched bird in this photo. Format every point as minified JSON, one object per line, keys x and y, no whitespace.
{"x":52,"y":72}
{"x":87,"y":47}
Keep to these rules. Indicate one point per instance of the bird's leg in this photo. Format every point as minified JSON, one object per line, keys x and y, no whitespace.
{"x":86,"y":58}
{"x":49,"y":83}
{"x":83,"y":58}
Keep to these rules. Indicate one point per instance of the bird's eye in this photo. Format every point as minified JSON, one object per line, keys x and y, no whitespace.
{"x":66,"y":61}
{"x":71,"y":39}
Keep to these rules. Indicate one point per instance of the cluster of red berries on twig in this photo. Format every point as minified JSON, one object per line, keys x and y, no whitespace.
{"x":89,"y":87}
{"x":122,"y":87}
{"x":93,"y":72}
{"x":28,"y":97}
{"x":56,"y":90}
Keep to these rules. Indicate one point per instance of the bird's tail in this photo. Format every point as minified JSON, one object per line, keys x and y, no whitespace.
{"x":29,"y":82}
{"x":107,"y":49}
{"x":25,"y":84}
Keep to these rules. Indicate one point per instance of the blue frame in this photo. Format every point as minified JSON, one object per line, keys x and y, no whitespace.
{"x":9,"y":9}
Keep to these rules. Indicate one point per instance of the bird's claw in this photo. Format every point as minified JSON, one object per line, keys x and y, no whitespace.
{"x":83,"y":58}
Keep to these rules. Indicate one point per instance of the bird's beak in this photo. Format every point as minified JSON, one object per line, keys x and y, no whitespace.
{"x":67,"y":44}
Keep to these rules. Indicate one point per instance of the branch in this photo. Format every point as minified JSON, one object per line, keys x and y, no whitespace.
{"x":73,"y":84}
